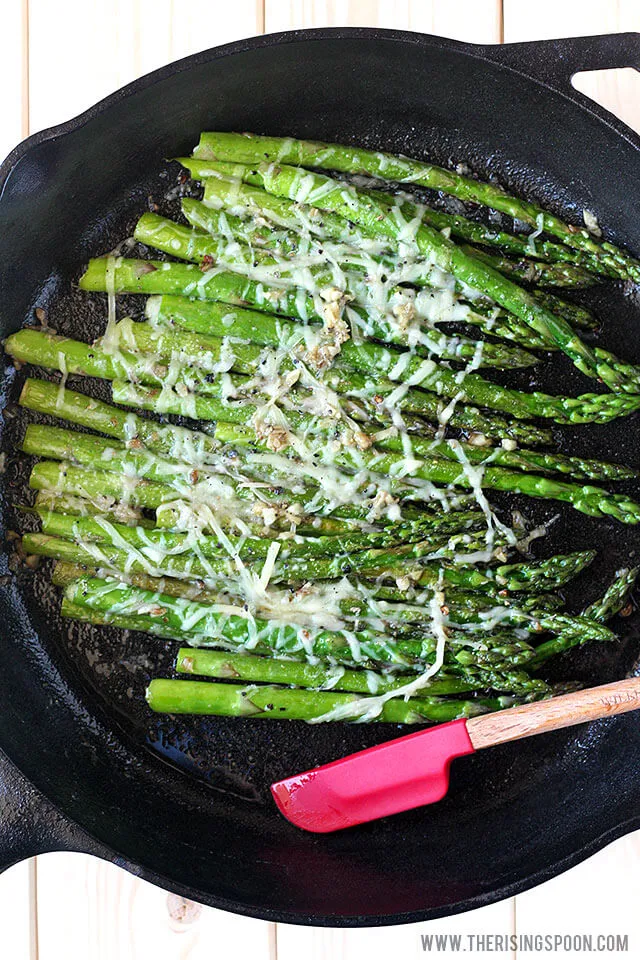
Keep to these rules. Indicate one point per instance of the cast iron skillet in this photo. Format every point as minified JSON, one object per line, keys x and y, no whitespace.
{"x":185,"y":804}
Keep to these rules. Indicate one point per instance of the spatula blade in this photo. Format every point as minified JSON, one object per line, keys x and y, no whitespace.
{"x":394,"y":776}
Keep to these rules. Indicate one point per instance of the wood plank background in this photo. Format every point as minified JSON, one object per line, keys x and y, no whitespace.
{"x":55,"y":60}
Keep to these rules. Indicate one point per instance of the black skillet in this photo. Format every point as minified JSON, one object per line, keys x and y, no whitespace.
{"x":185,"y":804}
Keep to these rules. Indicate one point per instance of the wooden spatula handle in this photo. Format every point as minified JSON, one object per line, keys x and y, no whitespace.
{"x":565,"y":711}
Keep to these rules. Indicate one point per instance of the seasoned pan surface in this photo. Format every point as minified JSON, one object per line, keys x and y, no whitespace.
{"x":186,"y":801}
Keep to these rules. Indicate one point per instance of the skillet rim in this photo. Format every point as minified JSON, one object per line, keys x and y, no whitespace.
{"x":497,"y":56}
{"x":495,"y":53}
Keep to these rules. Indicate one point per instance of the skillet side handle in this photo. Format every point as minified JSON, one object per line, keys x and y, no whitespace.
{"x":30,"y":825}
{"x":556,"y":61}
{"x":569,"y":710}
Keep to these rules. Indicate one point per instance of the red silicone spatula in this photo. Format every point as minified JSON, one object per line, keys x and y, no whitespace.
{"x":414,"y":770}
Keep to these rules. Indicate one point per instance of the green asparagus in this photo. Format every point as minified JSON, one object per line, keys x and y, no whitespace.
{"x":248,"y":201}
{"x":283,"y":703}
{"x":248,"y":148}
{"x":311,"y":547}
{"x":376,"y":217}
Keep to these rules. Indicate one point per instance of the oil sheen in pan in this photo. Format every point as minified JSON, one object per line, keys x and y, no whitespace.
{"x":494,"y":828}
{"x":119,"y":664}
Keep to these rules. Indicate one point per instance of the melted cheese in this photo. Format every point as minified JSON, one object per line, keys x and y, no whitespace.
{"x":345,"y":287}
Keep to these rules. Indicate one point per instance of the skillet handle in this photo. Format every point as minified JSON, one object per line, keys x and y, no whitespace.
{"x":556,"y":61}
{"x":30,"y":825}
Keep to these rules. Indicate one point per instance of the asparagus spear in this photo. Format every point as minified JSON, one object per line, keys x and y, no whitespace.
{"x":177,"y":443}
{"x":524,"y":247}
{"x":135,"y":475}
{"x":232,"y":194}
{"x":408,"y":560}
{"x":573,"y":313}
{"x":375,"y":217}
{"x":283,"y":243}
{"x":169,"y":237}
{"x":72,"y":356}
{"x":285,"y":520}
{"x":219,"y":499}
{"x":473,"y":676}
{"x":248,"y":148}
{"x":216,"y":355}
{"x":180,"y":278}
{"x":541,"y":575}
{"x":389,"y":565}
{"x":283,"y":703}
{"x":140,"y":337}
{"x":51,"y":501}
{"x":103,"y":487}
{"x":547,"y":574}
{"x":520,"y":459}
{"x":615,"y":598}
{"x":223,"y":194}
{"x":189,"y":280}
{"x":101,"y":453}
{"x":533,"y":272}
{"x":213,"y":621}
{"x":201,"y":407}
{"x":463,"y":606}
{"x":578,"y":468}
{"x":460,"y":607}
{"x":90,"y":450}
{"x":155,"y":542}
{"x":209,"y":487}
{"x":193,"y":315}
{"x":170,"y":497}
{"x":46,"y":350}
{"x":587,"y":408}
{"x":98,"y":486}
{"x":65,"y":573}
{"x":211,"y":318}
{"x":590,"y":500}
{"x":207,"y":625}
{"x":593,"y":501}
{"x":223,"y":191}
{"x":227,"y":665}
{"x":146,"y":623}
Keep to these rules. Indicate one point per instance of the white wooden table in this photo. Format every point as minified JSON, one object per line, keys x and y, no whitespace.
{"x":56,"y":58}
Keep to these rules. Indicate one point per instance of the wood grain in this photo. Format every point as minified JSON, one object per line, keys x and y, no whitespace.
{"x":18,"y":912}
{"x":96,"y":52}
{"x":477,"y":21}
{"x":79,"y":51}
{"x":14,"y":81}
{"x":606,"y":700}
{"x":597,"y":897}
{"x":389,"y":943}
{"x":91,"y":910}
{"x":617,"y":90}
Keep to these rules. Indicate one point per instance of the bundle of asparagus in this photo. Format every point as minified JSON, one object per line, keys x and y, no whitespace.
{"x":321,"y":533}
